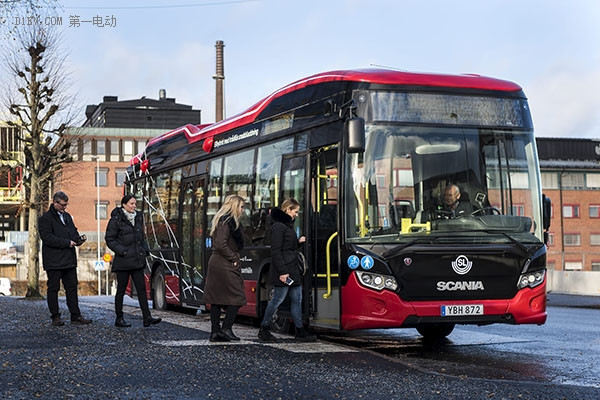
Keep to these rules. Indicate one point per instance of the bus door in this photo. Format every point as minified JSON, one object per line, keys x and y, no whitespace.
{"x":193,"y":263}
{"x":293,"y":185}
{"x":324,"y":240}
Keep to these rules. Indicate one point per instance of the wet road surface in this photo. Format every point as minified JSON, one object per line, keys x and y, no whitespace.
{"x":175,"y":360}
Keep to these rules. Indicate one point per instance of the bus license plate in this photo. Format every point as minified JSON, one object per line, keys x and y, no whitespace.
{"x":462,"y":309}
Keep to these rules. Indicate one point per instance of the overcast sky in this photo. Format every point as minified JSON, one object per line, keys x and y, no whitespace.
{"x":550,"y":48}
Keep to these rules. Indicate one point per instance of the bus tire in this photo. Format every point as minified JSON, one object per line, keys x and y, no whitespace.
{"x":435,"y":332}
{"x":159,"y":298}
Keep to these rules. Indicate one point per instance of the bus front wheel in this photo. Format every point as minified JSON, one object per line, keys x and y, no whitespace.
{"x":434,"y":332}
{"x":159,"y":299}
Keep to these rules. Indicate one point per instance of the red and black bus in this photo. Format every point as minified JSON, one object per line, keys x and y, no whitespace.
{"x":369,"y":154}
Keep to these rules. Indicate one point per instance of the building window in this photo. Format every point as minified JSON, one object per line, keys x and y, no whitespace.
{"x":87,"y":150}
{"x":403,"y":178}
{"x":141,"y":146}
{"x":573,"y":180}
{"x":551,"y":265}
{"x":380,"y":181}
{"x":573,"y":265}
{"x":595,"y":211}
{"x":115,"y":154}
{"x":549,"y":180}
{"x":100,"y":147}
{"x":101,"y":209}
{"x":128,"y":148}
{"x":571,"y":211}
{"x":120,"y":176}
{"x":572,"y":239}
{"x":102,"y":177}
{"x":595,"y":239}
{"x":518,"y":210}
{"x":550,"y":239}
{"x":519,"y":180}
{"x":595,"y":265}
{"x":592,"y":181}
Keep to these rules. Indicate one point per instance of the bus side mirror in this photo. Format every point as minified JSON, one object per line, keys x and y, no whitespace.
{"x":355,"y":135}
{"x":547,"y":211}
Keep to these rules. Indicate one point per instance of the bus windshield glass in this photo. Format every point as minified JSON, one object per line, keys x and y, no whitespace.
{"x":450,"y":184}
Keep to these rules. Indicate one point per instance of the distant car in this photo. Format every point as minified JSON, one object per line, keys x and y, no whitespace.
{"x":5,"y":287}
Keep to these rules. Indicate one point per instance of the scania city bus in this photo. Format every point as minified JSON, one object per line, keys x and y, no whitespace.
{"x":369,"y":154}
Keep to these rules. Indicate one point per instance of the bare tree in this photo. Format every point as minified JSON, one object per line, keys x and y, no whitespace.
{"x":39,"y":102}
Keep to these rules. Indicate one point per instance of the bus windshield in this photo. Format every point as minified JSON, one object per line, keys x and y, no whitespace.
{"x":450,"y":184}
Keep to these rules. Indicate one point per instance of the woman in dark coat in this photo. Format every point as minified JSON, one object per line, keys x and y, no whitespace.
{"x":284,"y":273}
{"x":224,"y":288}
{"x":125,"y":236}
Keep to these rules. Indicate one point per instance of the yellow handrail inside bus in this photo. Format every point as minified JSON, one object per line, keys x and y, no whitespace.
{"x":328,"y":274}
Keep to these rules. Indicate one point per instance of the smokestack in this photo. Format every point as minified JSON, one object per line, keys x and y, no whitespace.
{"x":219,"y":77}
{"x":162,"y":94}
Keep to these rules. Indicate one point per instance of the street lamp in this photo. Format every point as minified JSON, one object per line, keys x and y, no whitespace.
{"x":98,"y":218}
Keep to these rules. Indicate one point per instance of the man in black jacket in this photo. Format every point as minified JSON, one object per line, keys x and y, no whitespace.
{"x":59,"y":238}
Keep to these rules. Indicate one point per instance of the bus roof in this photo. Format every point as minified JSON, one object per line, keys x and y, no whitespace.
{"x":195,"y":133}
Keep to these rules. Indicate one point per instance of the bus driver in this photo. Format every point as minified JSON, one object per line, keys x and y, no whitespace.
{"x":452,"y":207}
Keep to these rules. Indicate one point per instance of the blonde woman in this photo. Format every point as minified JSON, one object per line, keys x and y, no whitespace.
{"x":224,"y":287}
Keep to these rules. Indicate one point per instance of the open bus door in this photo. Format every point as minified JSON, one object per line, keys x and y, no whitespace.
{"x":324,"y":256}
{"x":317,"y":221}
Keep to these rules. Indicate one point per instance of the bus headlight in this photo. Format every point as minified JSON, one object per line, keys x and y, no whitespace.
{"x":377,"y":281}
{"x":531,"y":279}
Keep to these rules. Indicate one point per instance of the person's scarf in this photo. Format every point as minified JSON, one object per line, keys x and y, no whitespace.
{"x":236,"y":234}
{"x":130,"y":216}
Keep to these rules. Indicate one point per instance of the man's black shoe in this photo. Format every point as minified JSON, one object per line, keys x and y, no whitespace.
{"x":151,"y":321}
{"x":80,"y":321}
{"x":120,"y":322}
{"x":57,"y":321}
{"x":218,"y":337}
{"x":228,"y":333}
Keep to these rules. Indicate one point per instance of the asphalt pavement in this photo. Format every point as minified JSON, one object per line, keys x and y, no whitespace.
{"x":175,"y":360}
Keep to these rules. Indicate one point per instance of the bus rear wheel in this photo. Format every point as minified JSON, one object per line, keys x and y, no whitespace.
{"x":434,"y":332}
{"x":159,"y":299}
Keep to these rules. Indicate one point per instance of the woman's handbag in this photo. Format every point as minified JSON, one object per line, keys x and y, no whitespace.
{"x":302,"y":266}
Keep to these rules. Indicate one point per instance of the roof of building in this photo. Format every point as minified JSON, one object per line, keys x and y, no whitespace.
{"x":568,"y":153}
{"x":113,"y":132}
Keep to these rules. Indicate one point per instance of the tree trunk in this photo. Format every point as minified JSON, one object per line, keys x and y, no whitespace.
{"x":33,"y":265}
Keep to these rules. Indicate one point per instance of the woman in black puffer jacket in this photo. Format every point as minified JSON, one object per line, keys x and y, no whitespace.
{"x":125,"y":236}
{"x":285,"y":274}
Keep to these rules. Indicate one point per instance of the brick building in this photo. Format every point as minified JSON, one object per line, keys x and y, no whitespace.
{"x":571,"y":178}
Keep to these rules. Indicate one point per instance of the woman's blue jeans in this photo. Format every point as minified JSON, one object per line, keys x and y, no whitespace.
{"x":278,"y":296}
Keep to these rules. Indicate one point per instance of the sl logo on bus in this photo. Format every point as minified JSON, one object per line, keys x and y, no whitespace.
{"x":461,"y":265}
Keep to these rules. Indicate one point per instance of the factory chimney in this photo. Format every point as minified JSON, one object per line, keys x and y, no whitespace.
{"x":219,"y":77}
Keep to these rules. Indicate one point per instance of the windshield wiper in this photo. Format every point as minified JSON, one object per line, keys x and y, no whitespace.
{"x":398,"y":249}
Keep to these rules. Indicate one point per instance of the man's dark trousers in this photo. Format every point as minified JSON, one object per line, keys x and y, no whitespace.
{"x":69,"y":280}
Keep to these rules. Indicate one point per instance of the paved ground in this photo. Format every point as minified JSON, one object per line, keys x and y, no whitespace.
{"x":174,"y":360}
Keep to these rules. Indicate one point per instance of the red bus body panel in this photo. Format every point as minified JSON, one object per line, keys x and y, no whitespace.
{"x":364,"y":308}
